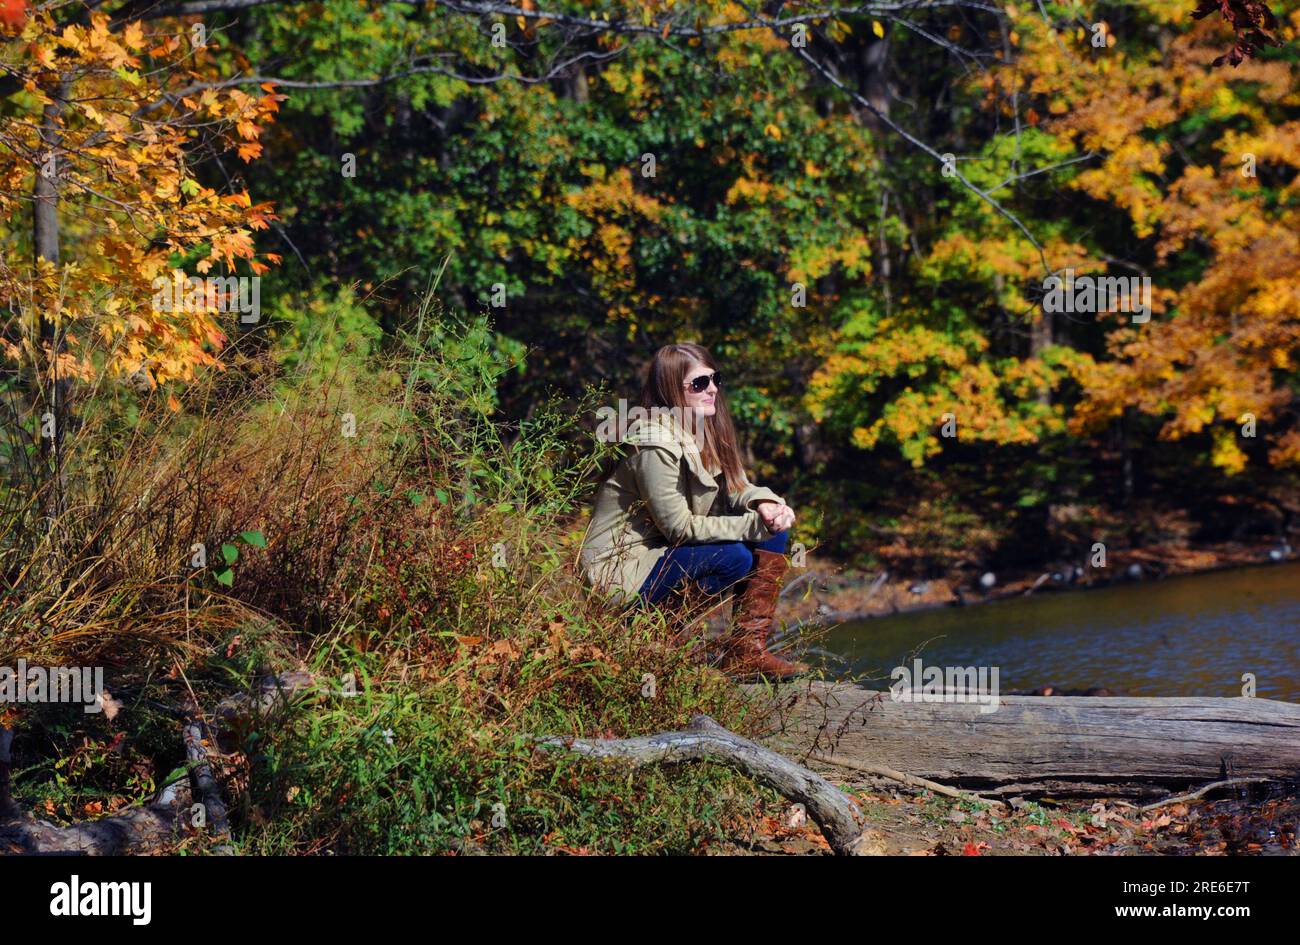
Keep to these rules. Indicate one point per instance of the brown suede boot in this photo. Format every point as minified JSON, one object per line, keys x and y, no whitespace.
{"x":746,"y":655}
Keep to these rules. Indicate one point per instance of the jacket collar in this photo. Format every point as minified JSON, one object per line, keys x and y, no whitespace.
{"x":662,"y":428}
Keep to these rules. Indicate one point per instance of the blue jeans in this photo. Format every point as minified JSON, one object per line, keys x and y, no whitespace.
{"x":715,"y":565}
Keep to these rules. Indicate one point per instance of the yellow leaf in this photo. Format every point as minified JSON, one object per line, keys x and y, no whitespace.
{"x":878,"y":28}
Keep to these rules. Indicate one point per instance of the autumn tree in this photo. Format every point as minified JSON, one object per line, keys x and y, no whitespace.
{"x":100,"y":136}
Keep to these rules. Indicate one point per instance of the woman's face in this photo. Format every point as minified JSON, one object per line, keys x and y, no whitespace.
{"x":703,"y":403}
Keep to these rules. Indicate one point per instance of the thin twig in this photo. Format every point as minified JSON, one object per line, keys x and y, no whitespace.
{"x":1205,"y":790}
{"x":909,"y":779}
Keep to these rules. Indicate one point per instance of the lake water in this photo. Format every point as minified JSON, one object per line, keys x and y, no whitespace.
{"x":1185,"y":636}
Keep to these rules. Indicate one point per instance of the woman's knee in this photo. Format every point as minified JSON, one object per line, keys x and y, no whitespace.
{"x":728,"y":563}
{"x":735,"y":560}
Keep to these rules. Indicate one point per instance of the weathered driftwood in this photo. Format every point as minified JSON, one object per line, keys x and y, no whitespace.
{"x":706,"y":740}
{"x":1097,"y":746}
{"x":162,"y":820}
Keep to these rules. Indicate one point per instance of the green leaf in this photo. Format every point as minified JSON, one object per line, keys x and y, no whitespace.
{"x":440,"y":495}
{"x":225,"y":576}
{"x":256,"y":539}
{"x":230,"y":553}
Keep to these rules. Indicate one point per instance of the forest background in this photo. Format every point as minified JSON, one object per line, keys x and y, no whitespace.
{"x":473,"y":223}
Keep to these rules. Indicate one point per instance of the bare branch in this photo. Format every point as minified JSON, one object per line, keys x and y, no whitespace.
{"x":510,"y":10}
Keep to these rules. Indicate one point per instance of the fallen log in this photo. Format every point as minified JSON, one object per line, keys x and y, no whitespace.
{"x":705,"y":740}
{"x":1036,"y":745}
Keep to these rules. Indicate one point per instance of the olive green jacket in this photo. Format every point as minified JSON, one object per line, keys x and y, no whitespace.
{"x":660,"y":495}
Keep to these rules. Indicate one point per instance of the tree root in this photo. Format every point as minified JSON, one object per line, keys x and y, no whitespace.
{"x":706,"y":740}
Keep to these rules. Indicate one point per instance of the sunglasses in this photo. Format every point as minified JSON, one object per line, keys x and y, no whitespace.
{"x":701,"y":384}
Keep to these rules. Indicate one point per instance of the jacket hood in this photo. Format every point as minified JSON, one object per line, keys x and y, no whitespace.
{"x":662,"y":428}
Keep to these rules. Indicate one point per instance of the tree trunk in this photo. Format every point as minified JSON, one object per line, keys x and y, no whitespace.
{"x":51,"y":390}
{"x":1041,"y":335}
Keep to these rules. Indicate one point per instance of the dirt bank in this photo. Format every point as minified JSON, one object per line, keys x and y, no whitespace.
{"x":1252,"y":822}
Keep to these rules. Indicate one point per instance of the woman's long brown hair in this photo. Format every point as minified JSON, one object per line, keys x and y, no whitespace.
{"x":665,"y":386}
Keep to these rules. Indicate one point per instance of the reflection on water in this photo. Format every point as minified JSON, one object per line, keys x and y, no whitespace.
{"x":1185,"y":636}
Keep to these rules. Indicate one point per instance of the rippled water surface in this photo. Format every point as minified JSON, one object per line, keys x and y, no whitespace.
{"x":1193,"y":635}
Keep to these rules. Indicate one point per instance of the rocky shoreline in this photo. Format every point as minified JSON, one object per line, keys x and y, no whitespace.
{"x":831,"y":596}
